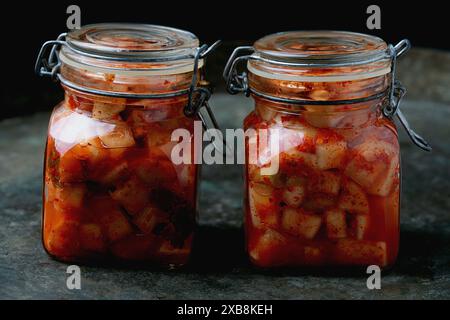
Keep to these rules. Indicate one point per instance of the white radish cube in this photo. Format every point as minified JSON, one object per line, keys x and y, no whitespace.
{"x":383,"y":186}
{"x":275,"y":180}
{"x":119,"y":137}
{"x":300,"y":158}
{"x":267,"y":244}
{"x":323,"y":120}
{"x":157,"y":138}
{"x":293,"y":195}
{"x":155,"y":172}
{"x":294,"y":125}
{"x":349,"y":133}
{"x":318,"y":202}
{"x":118,"y":172}
{"x":374,"y":166}
{"x":147,"y":219}
{"x":361,"y":225}
{"x":70,"y":196}
{"x":70,"y":168}
{"x":63,"y":238}
{"x":103,"y":111}
{"x":254,"y":173}
{"x":298,"y":136}
{"x":187,"y":175}
{"x":115,"y":224}
{"x":353,"y":199}
{"x":355,"y":118}
{"x":266,"y":113}
{"x":360,"y":252}
{"x":320,"y":94}
{"x":373,"y":149}
{"x":330,"y":154}
{"x":252,"y":150}
{"x":132,"y":195}
{"x":262,"y":194}
{"x":299,"y":223}
{"x":363,"y":172}
{"x":262,"y":205}
{"x":294,"y":191}
{"x":325,"y":182}
{"x":91,"y":237}
{"x":90,"y":151}
{"x":335,"y":220}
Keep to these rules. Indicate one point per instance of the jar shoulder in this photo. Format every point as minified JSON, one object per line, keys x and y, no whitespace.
{"x":352,"y":128}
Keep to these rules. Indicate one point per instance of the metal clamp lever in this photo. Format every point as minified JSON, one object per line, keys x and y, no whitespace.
{"x":397,"y":92}
{"x":416,"y":138}
{"x":236,"y":83}
{"x":49,"y":66}
{"x":224,"y":148}
{"x":200,"y":93}
{"x":198,"y":98}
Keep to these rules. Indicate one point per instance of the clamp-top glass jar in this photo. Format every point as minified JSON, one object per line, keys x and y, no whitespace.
{"x":111,"y":189}
{"x":326,"y":100}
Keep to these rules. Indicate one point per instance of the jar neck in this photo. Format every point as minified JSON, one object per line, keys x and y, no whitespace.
{"x":321,"y":116}
{"x":319,"y":90}
{"x":123,"y":83}
{"x":160,"y":108}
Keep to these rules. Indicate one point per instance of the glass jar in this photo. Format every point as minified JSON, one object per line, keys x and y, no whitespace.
{"x":111,"y":190}
{"x":322,"y":174}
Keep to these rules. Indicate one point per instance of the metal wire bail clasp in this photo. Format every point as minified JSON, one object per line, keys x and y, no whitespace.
{"x":237,"y":82}
{"x":198,"y":97}
{"x":396,"y":94}
{"x":49,"y":66}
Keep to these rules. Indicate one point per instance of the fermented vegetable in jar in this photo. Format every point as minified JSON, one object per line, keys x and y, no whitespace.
{"x":111,"y":191}
{"x":326,"y":99}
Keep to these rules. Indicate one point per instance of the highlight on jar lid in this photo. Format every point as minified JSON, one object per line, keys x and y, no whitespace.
{"x":323,"y":55}
{"x":125,"y":48}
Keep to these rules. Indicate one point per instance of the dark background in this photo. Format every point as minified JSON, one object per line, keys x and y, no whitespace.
{"x":27,"y":25}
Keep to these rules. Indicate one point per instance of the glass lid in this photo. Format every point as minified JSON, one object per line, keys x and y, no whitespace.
{"x":319,"y":48}
{"x":320,"y":56}
{"x":131,"y":42}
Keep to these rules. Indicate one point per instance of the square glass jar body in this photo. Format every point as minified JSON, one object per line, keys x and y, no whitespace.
{"x":111,"y":189}
{"x":333,"y":197}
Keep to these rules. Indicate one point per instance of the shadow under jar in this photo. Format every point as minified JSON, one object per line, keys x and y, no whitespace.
{"x":322,"y":175}
{"x":111,"y":190}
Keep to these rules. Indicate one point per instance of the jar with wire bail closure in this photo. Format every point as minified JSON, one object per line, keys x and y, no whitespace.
{"x":323,"y":175}
{"x":111,"y":189}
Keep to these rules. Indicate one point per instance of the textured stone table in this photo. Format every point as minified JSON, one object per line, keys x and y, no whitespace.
{"x":220,"y":269}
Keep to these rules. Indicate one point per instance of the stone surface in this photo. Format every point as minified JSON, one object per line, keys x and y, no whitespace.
{"x":220,"y":269}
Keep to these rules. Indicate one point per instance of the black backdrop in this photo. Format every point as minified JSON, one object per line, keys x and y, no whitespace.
{"x":27,"y":25}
